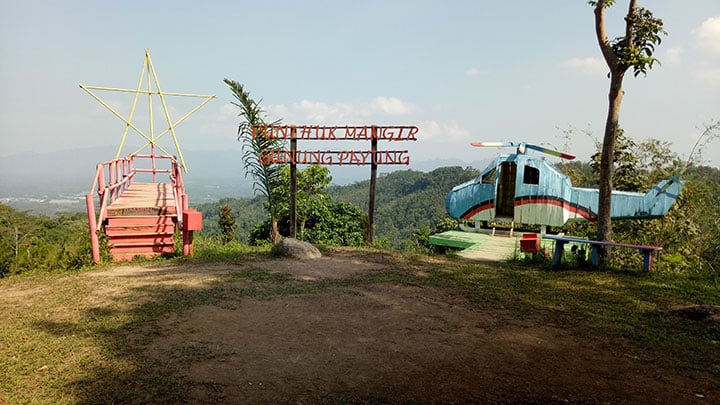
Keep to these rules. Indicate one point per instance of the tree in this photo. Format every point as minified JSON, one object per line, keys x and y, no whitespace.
{"x":40,"y":243}
{"x":312,"y":184}
{"x":321,"y":220}
{"x":227,"y":224}
{"x":634,"y":49}
{"x":626,"y":174}
{"x":265,"y":177}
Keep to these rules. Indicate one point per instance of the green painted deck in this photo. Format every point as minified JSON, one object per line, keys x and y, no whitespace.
{"x":481,"y":246}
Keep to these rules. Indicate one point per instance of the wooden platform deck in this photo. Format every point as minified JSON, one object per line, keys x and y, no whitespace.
{"x":480,"y":246}
{"x":145,"y":199}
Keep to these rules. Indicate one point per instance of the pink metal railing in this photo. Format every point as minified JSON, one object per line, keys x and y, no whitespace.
{"x":111,"y":180}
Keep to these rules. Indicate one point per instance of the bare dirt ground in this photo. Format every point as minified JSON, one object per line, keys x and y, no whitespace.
{"x":373,"y":343}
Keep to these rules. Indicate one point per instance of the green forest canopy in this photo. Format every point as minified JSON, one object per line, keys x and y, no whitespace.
{"x":406,"y":201}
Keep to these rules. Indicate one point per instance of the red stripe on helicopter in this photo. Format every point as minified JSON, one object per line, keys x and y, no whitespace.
{"x":574,"y":208}
{"x":476,"y":210}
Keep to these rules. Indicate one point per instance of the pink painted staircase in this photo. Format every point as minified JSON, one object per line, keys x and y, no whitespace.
{"x":140,"y":219}
{"x":142,"y":222}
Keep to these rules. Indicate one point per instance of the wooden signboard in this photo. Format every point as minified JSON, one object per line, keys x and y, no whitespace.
{"x":372,"y":157}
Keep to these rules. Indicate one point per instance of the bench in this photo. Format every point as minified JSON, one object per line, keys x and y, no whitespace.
{"x":560,"y":242}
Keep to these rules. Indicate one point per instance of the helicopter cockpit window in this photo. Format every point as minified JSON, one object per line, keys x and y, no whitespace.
{"x":531,"y":175}
{"x":489,"y":177}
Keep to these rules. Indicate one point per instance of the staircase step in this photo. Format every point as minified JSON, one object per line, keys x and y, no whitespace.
{"x":117,"y":257}
{"x":141,"y":248}
{"x":120,"y":253}
{"x":134,"y":211}
{"x":140,"y":220}
{"x":140,"y":235}
{"x":139,"y":230}
{"x":147,"y":239}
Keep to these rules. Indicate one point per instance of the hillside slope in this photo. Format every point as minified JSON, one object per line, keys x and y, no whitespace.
{"x":404,"y":201}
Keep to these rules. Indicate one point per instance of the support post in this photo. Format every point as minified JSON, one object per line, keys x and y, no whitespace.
{"x":559,"y":250}
{"x":130,"y":171}
{"x":152,"y":159}
{"x":112,"y":173}
{"x":101,"y":180}
{"x":647,"y":259}
{"x":94,"y":243}
{"x":373,"y":179}
{"x":187,"y":235}
{"x":293,"y":182}
{"x":119,"y":177}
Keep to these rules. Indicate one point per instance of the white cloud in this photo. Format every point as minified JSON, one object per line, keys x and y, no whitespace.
{"x":391,"y":105}
{"x":708,"y":74}
{"x":324,"y":113}
{"x":587,"y":66}
{"x":673,"y":56}
{"x":311,"y":112}
{"x":473,"y":71}
{"x":708,"y":35}
{"x":433,"y":130}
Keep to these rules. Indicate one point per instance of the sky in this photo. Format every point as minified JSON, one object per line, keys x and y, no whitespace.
{"x":461,"y":71}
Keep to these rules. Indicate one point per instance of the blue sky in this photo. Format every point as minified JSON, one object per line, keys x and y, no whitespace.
{"x":461,"y":71}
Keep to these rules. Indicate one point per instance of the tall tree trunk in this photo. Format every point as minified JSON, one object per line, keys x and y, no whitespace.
{"x":607,"y":155}
{"x":642,"y":34}
{"x":607,"y":158}
{"x":274,"y":232}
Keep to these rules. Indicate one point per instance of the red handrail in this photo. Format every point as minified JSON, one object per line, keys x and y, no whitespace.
{"x":111,"y":180}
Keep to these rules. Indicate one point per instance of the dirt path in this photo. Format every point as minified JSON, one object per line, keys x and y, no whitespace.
{"x":401,"y":344}
{"x":370,"y":343}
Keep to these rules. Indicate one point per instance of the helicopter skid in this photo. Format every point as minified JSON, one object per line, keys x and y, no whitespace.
{"x":477,"y":228}
{"x":490,"y":228}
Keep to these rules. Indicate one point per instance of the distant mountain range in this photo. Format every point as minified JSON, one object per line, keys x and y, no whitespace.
{"x":57,"y":181}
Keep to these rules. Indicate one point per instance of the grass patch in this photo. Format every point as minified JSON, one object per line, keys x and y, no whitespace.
{"x":629,"y":310}
{"x":208,"y":250}
{"x":79,"y":337}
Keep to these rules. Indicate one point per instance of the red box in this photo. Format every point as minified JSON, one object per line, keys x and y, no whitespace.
{"x":192,"y":219}
{"x":529,"y":243}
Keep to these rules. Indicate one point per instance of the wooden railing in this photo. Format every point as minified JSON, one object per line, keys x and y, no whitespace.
{"x":111,"y":180}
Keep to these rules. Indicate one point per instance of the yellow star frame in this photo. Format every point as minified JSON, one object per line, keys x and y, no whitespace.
{"x":152,"y":138}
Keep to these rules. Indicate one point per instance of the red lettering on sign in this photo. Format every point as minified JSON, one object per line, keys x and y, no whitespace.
{"x":346,"y":133}
{"x":343,"y":157}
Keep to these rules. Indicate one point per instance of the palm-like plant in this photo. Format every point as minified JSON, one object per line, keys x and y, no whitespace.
{"x":266,"y":177}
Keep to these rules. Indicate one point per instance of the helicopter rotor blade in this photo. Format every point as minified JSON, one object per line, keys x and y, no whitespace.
{"x":562,"y":155}
{"x":494,"y":144}
{"x":522,"y":146}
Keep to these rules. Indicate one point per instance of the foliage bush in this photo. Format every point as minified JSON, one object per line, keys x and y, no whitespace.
{"x":320,"y":220}
{"x":333,"y":224}
{"x":30,"y":243}
{"x":688,"y":233}
{"x":226,"y":222}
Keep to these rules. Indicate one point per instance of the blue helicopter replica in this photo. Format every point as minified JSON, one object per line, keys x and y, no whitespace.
{"x":528,"y":189}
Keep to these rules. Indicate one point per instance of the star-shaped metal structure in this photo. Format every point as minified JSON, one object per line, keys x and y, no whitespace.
{"x":149,"y":75}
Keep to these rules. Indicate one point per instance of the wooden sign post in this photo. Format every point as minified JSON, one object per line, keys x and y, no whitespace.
{"x":372,"y":157}
{"x":371,"y":201}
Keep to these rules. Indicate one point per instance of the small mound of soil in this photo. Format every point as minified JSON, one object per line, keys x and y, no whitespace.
{"x":696,"y":312}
